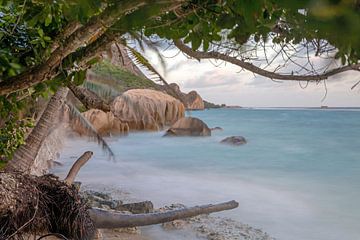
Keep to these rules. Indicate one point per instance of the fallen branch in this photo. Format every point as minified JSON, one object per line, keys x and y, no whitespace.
{"x":107,"y":219}
{"x":76,"y":167}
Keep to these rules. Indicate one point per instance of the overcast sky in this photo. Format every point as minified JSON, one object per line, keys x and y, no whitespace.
{"x":227,"y":84}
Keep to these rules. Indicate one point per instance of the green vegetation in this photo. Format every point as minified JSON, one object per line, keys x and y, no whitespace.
{"x":213,"y":105}
{"x":109,"y":81}
{"x":12,"y":135}
{"x":48,"y":44}
{"x":119,"y":78}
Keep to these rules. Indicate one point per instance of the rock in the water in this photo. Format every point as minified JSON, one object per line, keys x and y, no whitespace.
{"x":105,"y":123}
{"x":145,"y":109}
{"x":189,"y":126}
{"x":216,"y":129}
{"x":234,"y":140}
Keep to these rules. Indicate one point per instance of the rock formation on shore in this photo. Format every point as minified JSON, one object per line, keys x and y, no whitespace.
{"x":105,"y":123}
{"x":144,"y":109}
{"x":189,"y":126}
{"x":193,"y":100}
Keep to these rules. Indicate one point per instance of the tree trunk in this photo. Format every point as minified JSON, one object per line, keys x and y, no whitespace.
{"x":89,"y":98}
{"x":25,"y":155}
{"x":107,"y":219}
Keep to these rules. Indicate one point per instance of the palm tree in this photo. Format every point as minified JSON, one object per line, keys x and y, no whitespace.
{"x":25,"y":155}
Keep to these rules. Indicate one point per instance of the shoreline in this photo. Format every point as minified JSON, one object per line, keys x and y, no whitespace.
{"x":275,"y":206}
{"x":196,"y":228}
{"x":201,"y":227}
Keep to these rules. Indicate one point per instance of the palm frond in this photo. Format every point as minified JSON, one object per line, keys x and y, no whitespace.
{"x":75,"y":115}
{"x":142,"y":41}
{"x":104,"y":91}
{"x":139,"y":59}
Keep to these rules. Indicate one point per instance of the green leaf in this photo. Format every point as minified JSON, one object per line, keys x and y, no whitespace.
{"x":48,"y":19}
{"x":40,"y":32}
{"x":195,"y":41}
{"x":47,"y":38}
{"x":15,"y":65}
{"x":205,"y":45}
{"x":79,"y":77}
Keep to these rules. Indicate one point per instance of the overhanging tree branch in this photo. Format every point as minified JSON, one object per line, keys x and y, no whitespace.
{"x":81,"y":37}
{"x":257,"y":70}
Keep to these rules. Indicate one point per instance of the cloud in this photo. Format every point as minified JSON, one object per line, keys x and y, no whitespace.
{"x":227,"y":84}
{"x":210,"y":79}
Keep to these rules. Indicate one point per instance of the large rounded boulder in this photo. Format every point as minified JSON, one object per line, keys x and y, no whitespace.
{"x":189,"y":126}
{"x":105,"y":123}
{"x":145,"y":109}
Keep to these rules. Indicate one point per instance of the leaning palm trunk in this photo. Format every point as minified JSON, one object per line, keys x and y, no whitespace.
{"x":25,"y":155}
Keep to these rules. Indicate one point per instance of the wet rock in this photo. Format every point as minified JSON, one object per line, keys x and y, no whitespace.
{"x":174,"y":225}
{"x":96,"y":195}
{"x":216,"y":129}
{"x":234,"y":140}
{"x":101,"y":200}
{"x":139,"y":207}
{"x":215,"y":236}
{"x":189,"y":126}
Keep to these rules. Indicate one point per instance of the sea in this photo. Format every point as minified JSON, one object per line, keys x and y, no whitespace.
{"x":297,"y":178}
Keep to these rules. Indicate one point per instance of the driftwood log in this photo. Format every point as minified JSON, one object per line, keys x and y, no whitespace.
{"x":44,"y":204}
{"x":108,"y":219}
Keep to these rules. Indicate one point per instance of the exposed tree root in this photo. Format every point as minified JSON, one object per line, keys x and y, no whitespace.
{"x":36,"y":205}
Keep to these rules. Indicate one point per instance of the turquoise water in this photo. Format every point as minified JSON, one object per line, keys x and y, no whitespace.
{"x":298,"y":178}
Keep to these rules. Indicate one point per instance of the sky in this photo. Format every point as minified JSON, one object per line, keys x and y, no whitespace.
{"x":230,"y":85}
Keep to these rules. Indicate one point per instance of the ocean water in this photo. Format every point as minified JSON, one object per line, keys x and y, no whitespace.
{"x":297,"y":178}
